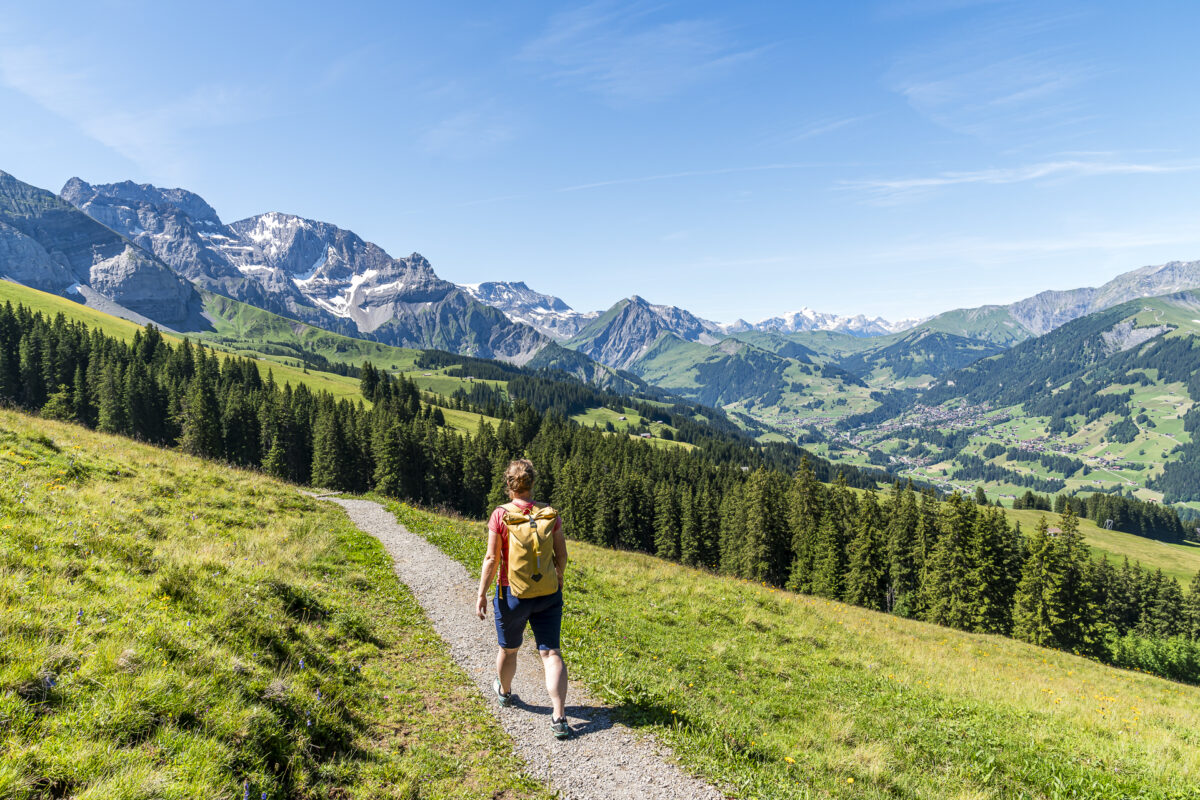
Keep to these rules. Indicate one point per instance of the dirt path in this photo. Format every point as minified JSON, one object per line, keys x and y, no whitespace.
{"x":602,"y":759}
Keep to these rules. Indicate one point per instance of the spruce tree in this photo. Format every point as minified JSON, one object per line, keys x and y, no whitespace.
{"x":690,"y":518}
{"x":996,"y":572}
{"x":948,"y":587}
{"x":1039,"y":607}
{"x":1191,"y":609}
{"x":111,"y":416}
{"x":804,"y":503}
{"x":867,"y":580}
{"x":829,"y":569}
{"x":328,"y":458}
{"x":200,"y":422}
{"x":666,"y":523}
{"x":764,"y":551}
{"x":1078,"y":602}
{"x":60,"y":405}
{"x":732,"y":533}
{"x":904,"y":551}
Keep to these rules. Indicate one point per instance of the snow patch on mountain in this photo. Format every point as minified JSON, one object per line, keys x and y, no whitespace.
{"x":542,"y":312}
{"x":806,"y":319}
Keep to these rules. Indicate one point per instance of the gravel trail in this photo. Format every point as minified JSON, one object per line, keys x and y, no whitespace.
{"x":602,"y":759}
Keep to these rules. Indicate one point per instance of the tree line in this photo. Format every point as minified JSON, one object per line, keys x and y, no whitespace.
{"x":726,"y":506}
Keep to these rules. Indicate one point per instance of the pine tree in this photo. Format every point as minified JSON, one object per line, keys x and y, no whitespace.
{"x":995,"y":573}
{"x":1191,"y":609}
{"x":904,"y":551}
{"x":200,"y":422}
{"x":867,"y":580}
{"x":804,"y":502}
{"x":1039,"y":607}
{"x":829,"y":567}
{"x":666,"y":523}
{"x":948,"y":586}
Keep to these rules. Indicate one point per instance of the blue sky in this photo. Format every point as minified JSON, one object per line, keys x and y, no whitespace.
{"x":893,"y":158}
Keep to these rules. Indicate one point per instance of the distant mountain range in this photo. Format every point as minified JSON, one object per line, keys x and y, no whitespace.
{"x":1045,"y":311}
{"x":155,"y":253}
{"x":808,"y":320}
{"x":49,"y":245}
{"x":311,"y":271}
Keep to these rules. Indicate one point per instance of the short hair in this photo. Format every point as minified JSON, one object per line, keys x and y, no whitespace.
{"x":519,"y":476}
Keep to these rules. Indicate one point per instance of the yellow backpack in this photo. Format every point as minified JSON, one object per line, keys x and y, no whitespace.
{"x":531,"y":550}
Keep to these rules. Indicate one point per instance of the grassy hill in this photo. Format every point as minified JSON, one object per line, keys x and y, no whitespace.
{"x":990,"y":323}
{"x":173,"y":628}
{"x":789,"y":696}
{"x":787,"y":392}
{"x":50,"y":304}
{"x":270,"y":355}
{"x":1099,"y":404}
{"x":254,"y":332}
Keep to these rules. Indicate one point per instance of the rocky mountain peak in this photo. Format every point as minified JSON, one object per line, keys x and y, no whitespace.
{"x":47,"y":243}
{"x":79,"y":192}
{"x":543,"y":312}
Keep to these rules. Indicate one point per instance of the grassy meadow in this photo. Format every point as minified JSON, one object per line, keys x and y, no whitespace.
{"x":773,"y":694}
{"x":171,"y":628}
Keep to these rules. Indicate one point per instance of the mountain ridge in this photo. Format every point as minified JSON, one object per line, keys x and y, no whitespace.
{"x":308,"y":270}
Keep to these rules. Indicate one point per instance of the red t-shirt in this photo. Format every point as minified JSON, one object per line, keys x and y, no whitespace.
{"x":496,"y":525}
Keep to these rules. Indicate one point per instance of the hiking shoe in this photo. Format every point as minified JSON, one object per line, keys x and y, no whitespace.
{"x":560,"y":728}
{"x":505,"y":700}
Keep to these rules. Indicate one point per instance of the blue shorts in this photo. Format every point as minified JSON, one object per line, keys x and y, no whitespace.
{"x":544,"y":615}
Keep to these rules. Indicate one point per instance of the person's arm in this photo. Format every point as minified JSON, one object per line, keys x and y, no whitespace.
{"x":487,"y":573}
{"x":560,"y":551}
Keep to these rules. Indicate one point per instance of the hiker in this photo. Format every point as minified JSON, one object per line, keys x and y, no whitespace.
{"x":525,"y":540}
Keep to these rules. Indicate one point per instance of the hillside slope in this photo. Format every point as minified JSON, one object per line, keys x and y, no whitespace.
{"x":1102,"y":403}
{"x":789,"y":696}
{"x":173,"y":628}
{"x":1045,"y":311}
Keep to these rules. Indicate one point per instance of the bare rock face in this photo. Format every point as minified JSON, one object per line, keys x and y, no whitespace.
{"x":627,"y":331}
{"x":135,"y":280}
{"x":304,"y":269}
{"x":24,"y":260}
{"x":50,"y":245}
{"x":542,"y":312}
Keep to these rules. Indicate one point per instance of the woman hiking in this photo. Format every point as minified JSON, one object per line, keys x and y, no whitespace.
{"x":525,"y":540}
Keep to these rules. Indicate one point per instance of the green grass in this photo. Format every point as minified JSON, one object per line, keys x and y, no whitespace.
{"x":1179,"y":561}
{"x":772,"y":694}
{"x":253,"y":331}
{"x":170,"y":628}
{"x":51,"y":304}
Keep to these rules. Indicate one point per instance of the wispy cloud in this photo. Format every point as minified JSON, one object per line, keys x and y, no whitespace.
{"x":1004,"y":77}
{"x":469,"y":133}
{"x":149,"y":136}
{"x":903,"y":188}
{"x":687,"y":174}
{"x":824,"y":126}
{"x":623,"y":53}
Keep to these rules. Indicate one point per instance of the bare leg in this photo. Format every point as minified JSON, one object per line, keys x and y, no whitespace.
{"x":506,"y":667}
{"x":556,"y":681}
